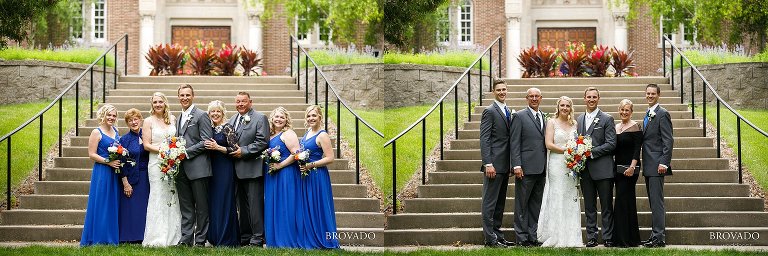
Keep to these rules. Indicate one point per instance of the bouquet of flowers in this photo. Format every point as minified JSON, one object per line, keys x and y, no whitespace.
{"x":302,"y":156}
{"x":118,"y":152}
{"x":172,"y":152}
{"x":576,"y":153}
{"x":271,"y":155}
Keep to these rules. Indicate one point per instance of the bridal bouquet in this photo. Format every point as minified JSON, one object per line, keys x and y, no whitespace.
{"x":118,"y":152}
{"x":302,"y":156}
{"x":172,"y":152}
{"x":577,"y":151}
{"x":271,"y":155}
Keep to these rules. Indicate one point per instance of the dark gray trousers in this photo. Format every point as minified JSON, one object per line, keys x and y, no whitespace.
{"x":591,"y":189}
{"x":250,"y":202}
{"x":655,"y":187}
{"x":193,"y":202}
{"x":528,"y":194}
{"x":494,"y":198}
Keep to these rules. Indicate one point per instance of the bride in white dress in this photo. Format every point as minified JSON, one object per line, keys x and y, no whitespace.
{"x":560,"y":219}
{"x":163,"y":227}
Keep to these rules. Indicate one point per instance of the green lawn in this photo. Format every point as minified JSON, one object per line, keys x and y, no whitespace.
{"x":138,"y":250}
{"x":25,"y":142}
{"x":84,"y":56}
{"x":391,"y":122}
{"x":454,"y":58}
{"x":755,"y":145}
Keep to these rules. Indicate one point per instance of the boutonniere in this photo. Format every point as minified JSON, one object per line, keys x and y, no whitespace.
{"x":218,"y":128}
{"x":546,"y":116}
{"x":246,"y":119}
{"x":597,"y":120}
{"x":651,"y":115}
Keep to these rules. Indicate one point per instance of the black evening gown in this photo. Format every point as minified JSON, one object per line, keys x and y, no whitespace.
{"x":626,"y":232}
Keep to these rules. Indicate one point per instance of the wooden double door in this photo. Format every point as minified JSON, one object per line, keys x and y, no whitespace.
{"x":559,"y":37}
{"x":189,"y":35}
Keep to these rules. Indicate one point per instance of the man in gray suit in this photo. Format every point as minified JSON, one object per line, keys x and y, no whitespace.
{"x":192,"y":182}
{"x":252,"y":129}
{"x":597,"y":176}
{"x":494,"y":148}
{"x":529,"y":158}
{"x":657,"y":159}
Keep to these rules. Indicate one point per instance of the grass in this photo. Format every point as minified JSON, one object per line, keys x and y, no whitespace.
{"x":711,"y":57}
{"x":755,"y":145}
{"x":24,"y":143}
{"x":84,"y":56}
{"x":339,"y":57}
{"x":390,"y":122}
{"x":138,"y":250}
{"x":460,"y":59}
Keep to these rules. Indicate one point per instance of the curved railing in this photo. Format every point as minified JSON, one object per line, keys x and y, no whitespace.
{"x":339,"y":101}
{"x":706,"y":86}
{"x":76,"y":85}
{"x":423,"y":120}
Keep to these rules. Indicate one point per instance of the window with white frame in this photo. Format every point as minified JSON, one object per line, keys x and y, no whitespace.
{"x":99,"y":20}
{"x":443,"y":30}
{"x":76,"y":30}
{"x":313,"y":34}
{"x":683,"y":33}
{"x":465,"y":22}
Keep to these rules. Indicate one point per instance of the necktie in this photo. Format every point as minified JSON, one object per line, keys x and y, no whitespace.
{"x":506,"y":111}
{"x":538,"y":121}
{"x":239,"y":121}
{"x":645,"y":119}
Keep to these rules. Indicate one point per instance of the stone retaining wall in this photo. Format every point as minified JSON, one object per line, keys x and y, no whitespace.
{"x":740,"y":84}
{"x":376,"y":86}
{"x":24,"y":81}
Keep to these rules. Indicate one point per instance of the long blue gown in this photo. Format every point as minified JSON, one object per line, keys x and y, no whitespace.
{"x":103,"y":201}
{"x":320,"y":223}
{"x":223,"y":229}
{"x":283,"y":214}
{"x":133,"y":210}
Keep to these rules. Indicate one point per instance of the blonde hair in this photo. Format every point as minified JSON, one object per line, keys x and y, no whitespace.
{"x":279,"y":110}
{"x":625,"y":102}
{"x":319,"y":113}
{"x":166,"y":112}
{"x":101,"y":114}
{"x":217,"y":104}
{"x":571,"y":120}
{"x":131,"y":113}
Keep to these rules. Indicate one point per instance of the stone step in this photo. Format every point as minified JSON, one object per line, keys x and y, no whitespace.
{"x":680,"y":176}
{"x":550,"y":100}
{"x":299,"y":130}
{"x":685,"y":164}
{"x":296,"y":116}
{"x":229,"y":95}
{"x":86,"y":163}
{"x":672,"y":204}
{"x":638,"y":116}
{"x":676,"y":123}
{"x":206,"y":99}
{"x":723,"y":236}
{"x":679,"y":132}
{"x":680,"y":142}
{"x":677,"y":153}
{"x":176,"y":107}
{"x":579,"y":107}
{"x":673,"y":219}
{"x":231,"y":88}
{"x":670,"y":190}
{"x":81,"y":174}
{"x":577,"y":93}
{"x":177,"y":80}
{"x":80,"y":201}
{"x":586,"y":81}
{"x":82,"y":141}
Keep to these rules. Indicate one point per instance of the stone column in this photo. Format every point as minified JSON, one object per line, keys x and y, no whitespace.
{"x":513,"y":47}
{"x":620,"y":32}
{"x":255,"y":31}
{"x":146,"y":39}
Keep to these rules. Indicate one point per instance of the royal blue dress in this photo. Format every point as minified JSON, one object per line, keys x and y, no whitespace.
{"x":223,"y":229}
{"x":283,"y":214}
{"x":320,"y":223}
{"x":133,"y":210}
{"x":103,"y":201}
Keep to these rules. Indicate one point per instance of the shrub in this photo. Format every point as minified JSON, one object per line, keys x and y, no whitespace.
{"x":573,"y":59}
{"x":598,"y":61}
{"x":76,"y":55}
{"x":249,"y":60}
{"x":173,"y":58}
{"x":155,"y":59}
{"x":622,"y":61}
{"x":202,"y":58}
{"x":226,"y":60}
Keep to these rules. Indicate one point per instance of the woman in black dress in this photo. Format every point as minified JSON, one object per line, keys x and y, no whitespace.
{"x":629,"y":138}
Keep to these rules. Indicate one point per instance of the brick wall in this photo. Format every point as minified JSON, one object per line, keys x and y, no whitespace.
{"x":275,"y":43}
{"x":644,"y":39}
{"x":490,"y":22}
{"x":123,"y":17}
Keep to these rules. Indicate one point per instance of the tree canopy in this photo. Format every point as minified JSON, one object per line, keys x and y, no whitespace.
{"x":16,"y":17}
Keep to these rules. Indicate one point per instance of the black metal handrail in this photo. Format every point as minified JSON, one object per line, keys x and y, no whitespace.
{"x":705,"y":86}
{"x":423,"y":119}
{"x":339,"y":101}
{"x":74,"y":84}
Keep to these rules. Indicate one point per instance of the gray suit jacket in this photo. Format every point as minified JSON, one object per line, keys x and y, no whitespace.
{"x":527,"y":143}
{"x":195,"y":131}
{"x":657,"y":143}
{"x":252,"y":137}
{"x":603,"y":133}
{"x":494,"y":138}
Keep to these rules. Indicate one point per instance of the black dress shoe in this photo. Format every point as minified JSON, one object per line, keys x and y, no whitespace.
{"x":654,"y":244}
{"x":496,"y":244}
{"x":608,"y":244}
{"x":537,"y":243}
{"x":506,"y":243}
{"x":199,"y":244}
{"x":592,"y":243}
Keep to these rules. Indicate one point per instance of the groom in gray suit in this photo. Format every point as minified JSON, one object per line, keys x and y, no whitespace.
{"x":657,"y":159}
{"x":192,"y":182}
{"x":529,"y":158}
{"x":597,"y":176}
{"x":494,"y":148}
{"x":252,"y":129}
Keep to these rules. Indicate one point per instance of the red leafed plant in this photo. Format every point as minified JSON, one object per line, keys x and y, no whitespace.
{"x":202,"y":57}
{"x":226,"y":60}
{"x":173,"y":55}
{"x":598,"y":61}
{"x":527,"y":63}
{"x":622,"y":61}
{"x":573,"y":59}
{"x":155,"y":58}
{"x":545,"y":60}
{"x":249,"y":60}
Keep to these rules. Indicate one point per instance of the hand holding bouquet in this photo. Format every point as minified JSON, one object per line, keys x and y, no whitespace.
{"x":270,"y":156}
{"x":302,"y":156}
{"x":118,"y":152}
{"x":577,"y":150}
{"x":172,"y":152}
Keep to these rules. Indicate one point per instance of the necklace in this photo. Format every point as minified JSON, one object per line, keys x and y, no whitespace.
{"x":623,"y":127}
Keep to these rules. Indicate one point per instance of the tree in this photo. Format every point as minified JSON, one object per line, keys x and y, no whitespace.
{"x":16,"y":18}
{"x":57,"y":24}
{"x":403,"y":18}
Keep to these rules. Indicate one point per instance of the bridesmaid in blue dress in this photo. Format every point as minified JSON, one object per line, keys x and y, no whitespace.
{"x":133,"y":202}
{"x":104,"y":195}
{"x":283,"y":215}
{"x":320,"y":223}
{"x":223,"y":229}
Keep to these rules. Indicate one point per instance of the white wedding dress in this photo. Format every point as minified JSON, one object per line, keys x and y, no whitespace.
{"x":163,"y":213}
{"x":560,"y":219}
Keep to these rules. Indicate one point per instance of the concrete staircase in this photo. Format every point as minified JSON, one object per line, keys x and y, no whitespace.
{"x":55,"y":212}
{"x":705,"y":204}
